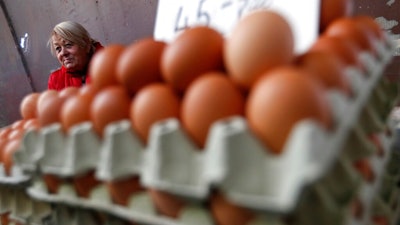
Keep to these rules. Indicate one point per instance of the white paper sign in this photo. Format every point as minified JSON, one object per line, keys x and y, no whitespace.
{"x":175,"y":15}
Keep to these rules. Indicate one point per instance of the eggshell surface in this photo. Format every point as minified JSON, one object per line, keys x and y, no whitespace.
{"x":75,"y":110}
{"x":350,"y":29}
{"x":280,"y":99}
{"x":49,"y":110}
{"x":340,"y":46}
{"x":28,"y":105}
{"x":103,"y":66}
{"x":211,"y":97}
{"x":195,"y":51}
{"x":153,"y":103}
{"x":327,"y":69}
{"x":109,"y":105}
{"x":139,"y":64}
{"x":259,"y":42}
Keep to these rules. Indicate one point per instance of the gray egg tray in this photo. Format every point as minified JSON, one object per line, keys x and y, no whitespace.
{"x":233,"y":159}
{"x":21,"y":207}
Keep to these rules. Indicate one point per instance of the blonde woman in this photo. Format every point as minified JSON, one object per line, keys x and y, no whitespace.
{"x":73,"y":47}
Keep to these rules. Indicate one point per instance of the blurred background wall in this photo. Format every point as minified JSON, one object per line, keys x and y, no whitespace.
{"x":26,"y":62}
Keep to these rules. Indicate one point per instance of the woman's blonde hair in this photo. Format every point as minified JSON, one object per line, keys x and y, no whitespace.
{"x":73,"y":32}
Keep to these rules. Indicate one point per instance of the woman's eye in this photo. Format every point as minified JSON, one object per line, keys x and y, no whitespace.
{"x":58,"y":49}
{"x":69,"y":45}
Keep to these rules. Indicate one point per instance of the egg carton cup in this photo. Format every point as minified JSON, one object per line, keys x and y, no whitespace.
{"x":26,"y":156}
{"x":18,"y":175}
{"x":16,"y":178}
{"x":121,"y":153}
{"x":69,"y":154}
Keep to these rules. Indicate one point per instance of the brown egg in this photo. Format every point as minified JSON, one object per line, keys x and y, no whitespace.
{"x":18,"y":124}
{"x":370,"y":24}
{"x":68,"y":92}
{"x":84,"y":183}
{"x":5,"y":218}
{"x":139,"y":64}
{"x":122,"y":189}
{"x":281,"y":98}
{"x":211,"y":97}
{"x":340,"y":46}
{"x":259,"y":42}
{"x":28,"y":104}
{"x":75,"y":110}
{"x":153,"y":103}
{"x":88,"y":90}
{"x":49,"y":110}
{"x":44,"y":96}
{"x":227,"y":213}
{"x":376,"y":141}
{"x":52,"y":182}
{"x":364,"y":167}
{"x":8,"y":153}
{"x":16,"y":134}
{"x":331,"y":10}
{"x":195,"y":51}
{"x":166,"y":203}
{"x":109,"y":105}
{"x":350,"y":29}
{"x":31,"y":124}
{"x":4,"y":131}
{"x":325,"y":68}
{"x":103,"y":66}
{"x":357,"y":208}
{"x":3,"y":143}
{"x":380,"y":220}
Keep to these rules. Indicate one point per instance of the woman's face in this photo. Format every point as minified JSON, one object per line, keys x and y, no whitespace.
{"x":70,"y":55}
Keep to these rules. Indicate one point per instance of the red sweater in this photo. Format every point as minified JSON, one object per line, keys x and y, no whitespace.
{"x":61,"y":79}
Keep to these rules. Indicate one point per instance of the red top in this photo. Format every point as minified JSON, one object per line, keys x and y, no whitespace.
{"x":61,"y":79}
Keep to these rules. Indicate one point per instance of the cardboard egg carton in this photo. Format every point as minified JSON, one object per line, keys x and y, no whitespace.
{"x":334,"y":196}
{"x":233,"y":160}
{"x":21,"y":207}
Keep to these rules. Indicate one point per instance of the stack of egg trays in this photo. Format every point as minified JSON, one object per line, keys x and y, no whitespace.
{"x":19,"y":206}
{"x":271,"y":184}
{"x":14,"y":201}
